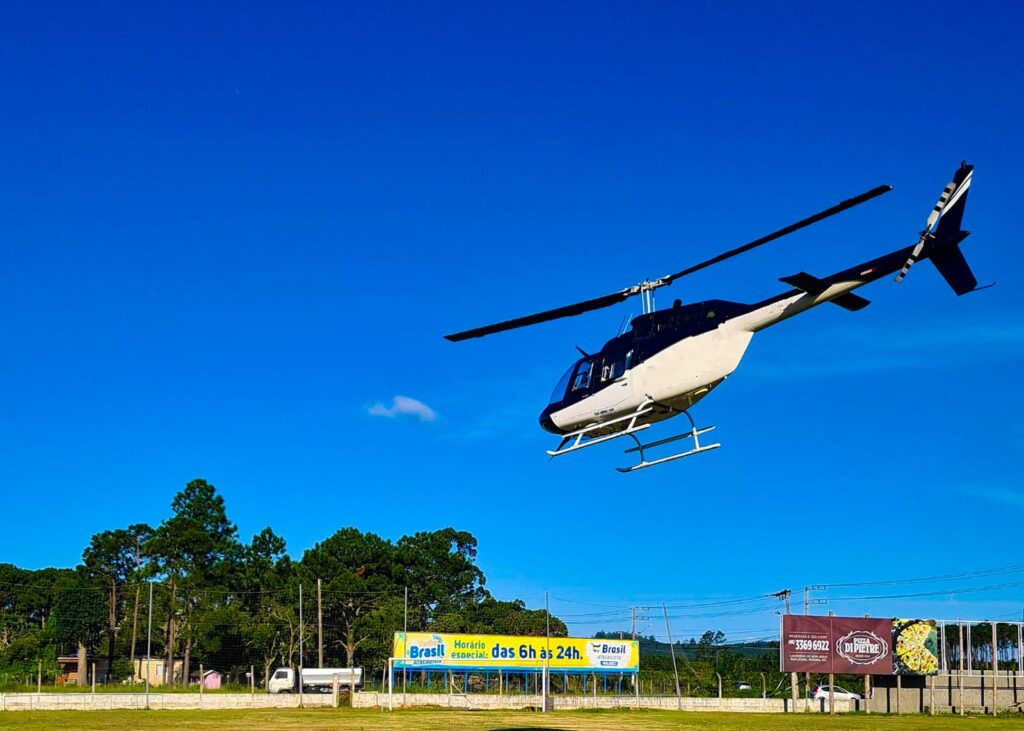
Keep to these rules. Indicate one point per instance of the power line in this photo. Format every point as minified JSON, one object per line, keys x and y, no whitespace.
{"x":1011,"y":569}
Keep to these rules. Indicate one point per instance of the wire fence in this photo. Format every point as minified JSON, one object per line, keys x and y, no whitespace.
{"x":186,"y":639}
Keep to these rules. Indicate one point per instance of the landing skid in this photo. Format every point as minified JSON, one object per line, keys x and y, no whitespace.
{"x":693,"y":434}
{"x":583,"y":438}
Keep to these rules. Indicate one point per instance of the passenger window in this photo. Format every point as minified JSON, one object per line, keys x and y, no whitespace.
{"x":616,"y":368}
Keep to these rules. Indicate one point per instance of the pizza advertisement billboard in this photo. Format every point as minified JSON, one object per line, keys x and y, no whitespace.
{"x":858,"y":645}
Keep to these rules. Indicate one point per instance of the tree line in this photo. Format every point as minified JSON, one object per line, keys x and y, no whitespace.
{"x":229,"y":605}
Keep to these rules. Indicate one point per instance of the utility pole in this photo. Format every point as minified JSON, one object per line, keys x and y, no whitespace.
{"x":672,"y":648}
{"x":319,"y":625}
{"x":807,"y":610}
{"x":794,"y":683}
{"x":633,"y":619}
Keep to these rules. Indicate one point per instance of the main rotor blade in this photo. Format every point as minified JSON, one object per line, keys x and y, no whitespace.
{"x":568,"y":311}
{"x":612,"y":299}
{"x":838,"y":208}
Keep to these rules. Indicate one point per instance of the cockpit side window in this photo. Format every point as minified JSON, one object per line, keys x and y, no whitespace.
{"x":582,"y":378}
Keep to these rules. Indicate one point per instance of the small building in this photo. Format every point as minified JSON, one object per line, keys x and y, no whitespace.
{"x":211,"y":680}
{"x":156,"y":670}
{"x":68,"y":665}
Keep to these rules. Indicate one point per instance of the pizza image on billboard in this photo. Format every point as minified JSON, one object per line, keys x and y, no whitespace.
{"x":915,"y":647}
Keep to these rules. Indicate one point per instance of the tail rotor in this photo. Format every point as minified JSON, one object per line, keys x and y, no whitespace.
{"x":950,"y":197}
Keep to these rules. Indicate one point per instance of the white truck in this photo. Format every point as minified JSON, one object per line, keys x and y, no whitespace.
{"x":314,"y":680}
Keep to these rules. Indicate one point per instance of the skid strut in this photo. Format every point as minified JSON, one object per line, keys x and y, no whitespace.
{"x":581,"y":438}
{"x":694,"y":434}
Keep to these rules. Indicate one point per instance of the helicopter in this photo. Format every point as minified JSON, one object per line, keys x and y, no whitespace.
{"x":670,"y":359}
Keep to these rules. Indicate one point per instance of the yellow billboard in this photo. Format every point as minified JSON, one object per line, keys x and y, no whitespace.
{"x":430,"y":651}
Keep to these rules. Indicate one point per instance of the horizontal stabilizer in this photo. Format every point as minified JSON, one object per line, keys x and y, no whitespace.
{"x":812,"y":285}
{"x":805,"y":283}
{"x":851,"y":302}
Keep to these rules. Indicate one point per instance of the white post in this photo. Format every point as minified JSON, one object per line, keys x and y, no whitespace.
{"x":300,"y":645}
{"x":334,"y":691}
{"x":960,"y":670}
{"x":405,"y":642}
{"x":149,"y":642}
{"x":547,"y":661}
{"x":391,"y":673}
{"x":543,"y":688}
{"x":94,"y":678}
{"x":252,"y":683}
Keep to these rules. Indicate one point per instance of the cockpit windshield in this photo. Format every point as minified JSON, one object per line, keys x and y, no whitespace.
{"x":559,"y":393}
{"x":579,"y":375}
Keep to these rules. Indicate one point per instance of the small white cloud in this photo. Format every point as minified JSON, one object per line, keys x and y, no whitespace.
{"x":404,"y":406}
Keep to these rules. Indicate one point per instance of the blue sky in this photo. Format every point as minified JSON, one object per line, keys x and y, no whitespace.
{"x":232,"y":235}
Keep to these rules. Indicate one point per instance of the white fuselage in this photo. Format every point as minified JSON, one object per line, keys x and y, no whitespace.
{"x":679,"y":376}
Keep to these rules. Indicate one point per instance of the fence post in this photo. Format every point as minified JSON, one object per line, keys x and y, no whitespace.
{"x":201,"y":684}
{"x":252,"y":684}
{"x":960,"y":666}
{"x":94,"y":678}
{"x":995,"y":670}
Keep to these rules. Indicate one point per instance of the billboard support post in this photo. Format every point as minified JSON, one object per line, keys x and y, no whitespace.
{"x":931,"y":695}
{"x":867,"y":685}
{"x":831,"y":685}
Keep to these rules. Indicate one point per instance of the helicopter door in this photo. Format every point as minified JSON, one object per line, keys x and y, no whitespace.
{"x":614,"y":383}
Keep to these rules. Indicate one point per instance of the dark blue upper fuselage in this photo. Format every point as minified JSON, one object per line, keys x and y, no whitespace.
{"x":649,"y":334}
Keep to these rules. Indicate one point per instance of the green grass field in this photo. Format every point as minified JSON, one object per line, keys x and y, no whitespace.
{"x":438,"y":720}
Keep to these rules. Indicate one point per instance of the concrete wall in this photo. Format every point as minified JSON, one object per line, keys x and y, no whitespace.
{"x":481,"y":701}
{"x":110,"y":701}
{"x":980,"y":691}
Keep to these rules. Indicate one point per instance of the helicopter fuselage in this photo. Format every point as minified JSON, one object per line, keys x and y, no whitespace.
{"x":670,"y":359}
